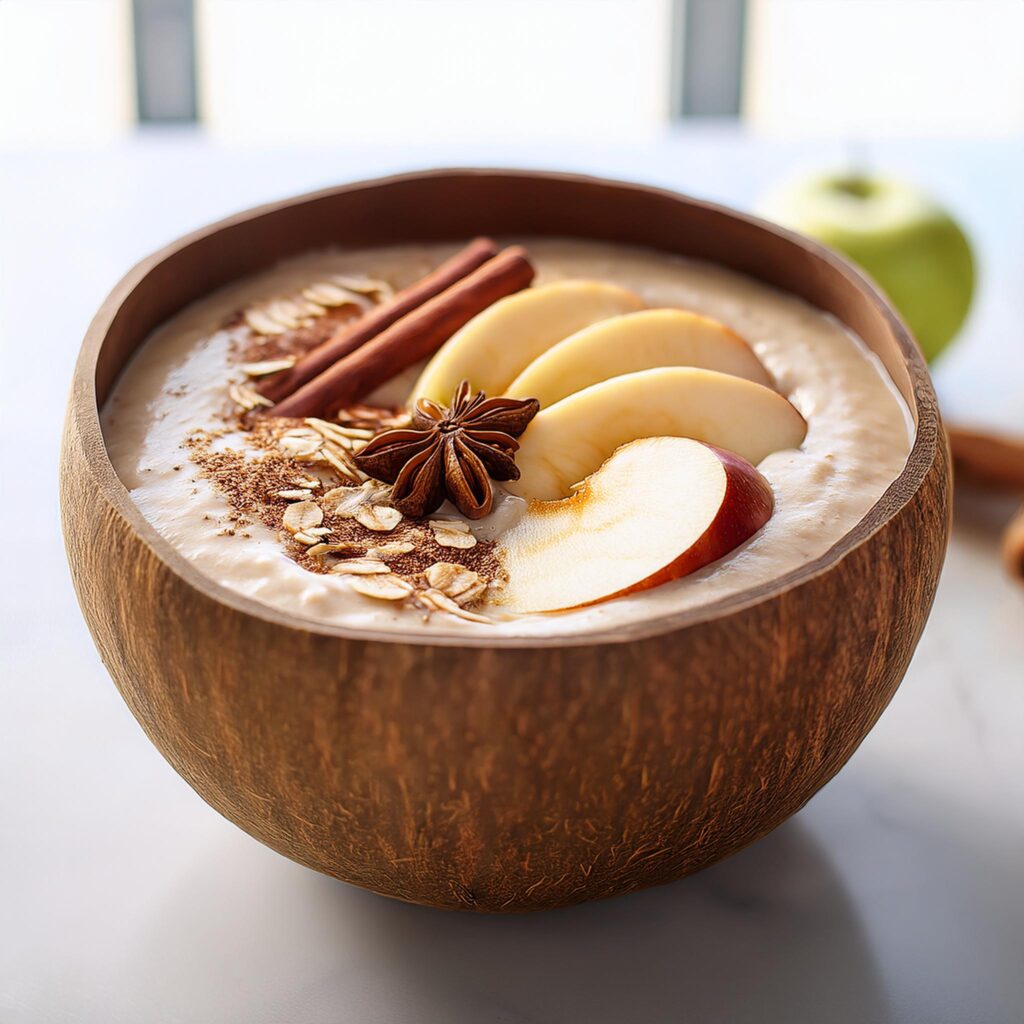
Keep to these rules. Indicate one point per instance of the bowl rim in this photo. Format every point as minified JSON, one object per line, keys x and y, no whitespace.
{"x":84,"y":414}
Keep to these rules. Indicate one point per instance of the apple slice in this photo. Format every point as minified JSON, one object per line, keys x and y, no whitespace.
{"x":636,"y":341}
{"x":567,"y":441}
{"x":497,"y":344}
{"x":658,"y":509}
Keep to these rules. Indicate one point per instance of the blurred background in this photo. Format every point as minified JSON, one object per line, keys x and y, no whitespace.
{"x":215,"y":104}
{"x":896,"y":895}
{"x":360,"y":72}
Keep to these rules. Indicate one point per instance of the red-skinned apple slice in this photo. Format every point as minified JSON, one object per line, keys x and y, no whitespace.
{"x":658,"y":509}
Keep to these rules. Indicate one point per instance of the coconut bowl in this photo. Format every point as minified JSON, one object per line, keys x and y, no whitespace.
{"x":499,"y":775}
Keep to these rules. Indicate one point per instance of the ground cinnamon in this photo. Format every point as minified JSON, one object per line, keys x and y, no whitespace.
{"x":357,"y":333}
{"x":415,"y":336}
{"x":251,"y":487}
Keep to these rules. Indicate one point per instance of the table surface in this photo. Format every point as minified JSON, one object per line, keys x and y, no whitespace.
{"x":896,"y":895}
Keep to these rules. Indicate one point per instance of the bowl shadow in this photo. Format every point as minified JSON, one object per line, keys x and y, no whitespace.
{"x":767,"y":935}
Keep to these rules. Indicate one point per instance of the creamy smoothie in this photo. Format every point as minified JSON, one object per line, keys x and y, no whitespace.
{"x":289,"y":511}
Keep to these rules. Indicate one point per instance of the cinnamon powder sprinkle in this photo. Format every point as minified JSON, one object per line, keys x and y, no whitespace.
{"x":252,"y":483}
{"x":249,"y":347}
{"x":289,"y":326}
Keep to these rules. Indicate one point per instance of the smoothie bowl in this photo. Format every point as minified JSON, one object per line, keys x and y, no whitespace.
{"x":502,"y":540}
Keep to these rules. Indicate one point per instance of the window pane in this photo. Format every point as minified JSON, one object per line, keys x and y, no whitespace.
{"x":65,"y":71}
{"x":433,"y":70}
{"x":886,"y":67}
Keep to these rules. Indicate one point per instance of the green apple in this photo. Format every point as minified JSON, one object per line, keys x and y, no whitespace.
{"x":899,"y":235}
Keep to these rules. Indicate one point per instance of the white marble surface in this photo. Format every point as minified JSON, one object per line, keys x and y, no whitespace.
{"x":897,"y":895}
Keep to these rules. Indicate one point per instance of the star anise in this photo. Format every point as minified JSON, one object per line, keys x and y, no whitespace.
{"x":451,"y":452}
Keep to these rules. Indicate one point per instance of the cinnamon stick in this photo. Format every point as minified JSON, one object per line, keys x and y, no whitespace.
{"x":355,"y":334}
{"x":993,"y":459}
{"x":1013,"y":545}
{"x":416,"y":335}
